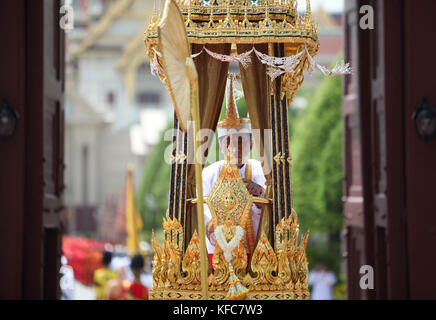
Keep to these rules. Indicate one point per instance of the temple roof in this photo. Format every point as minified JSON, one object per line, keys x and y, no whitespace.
{"x":117,"y":26}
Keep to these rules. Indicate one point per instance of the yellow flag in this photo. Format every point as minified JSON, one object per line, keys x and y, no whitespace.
{"x":133,"y":220}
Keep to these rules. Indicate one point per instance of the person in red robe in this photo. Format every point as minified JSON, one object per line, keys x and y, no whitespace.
{"x":135,"y":290}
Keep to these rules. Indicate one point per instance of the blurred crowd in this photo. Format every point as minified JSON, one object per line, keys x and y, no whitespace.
{"x":120,"y":277}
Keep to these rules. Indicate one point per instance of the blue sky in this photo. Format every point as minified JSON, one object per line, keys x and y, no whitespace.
{"x":328,"y":5}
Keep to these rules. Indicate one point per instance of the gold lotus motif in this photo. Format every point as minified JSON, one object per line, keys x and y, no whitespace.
{"x":190,"y":278}
{"x":264,"y":265}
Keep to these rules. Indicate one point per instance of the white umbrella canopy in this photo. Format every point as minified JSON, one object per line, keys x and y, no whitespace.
{"x":175,"y":50}
{"x":182,"y":82}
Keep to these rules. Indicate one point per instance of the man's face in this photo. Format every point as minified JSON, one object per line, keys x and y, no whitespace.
{"x":240,"y":146}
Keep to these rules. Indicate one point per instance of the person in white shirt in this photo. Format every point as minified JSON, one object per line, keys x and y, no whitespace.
{"x":322,"y":282}
{"x":235,"y":134}
{"x":67,"y":282}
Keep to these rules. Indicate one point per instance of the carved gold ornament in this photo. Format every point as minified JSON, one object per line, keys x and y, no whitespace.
{"x":229,"y":198}
{"x":277,"y":274}
{"x":244,"y":22}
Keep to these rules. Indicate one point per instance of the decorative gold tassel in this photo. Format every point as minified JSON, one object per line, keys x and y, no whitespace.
{"x":236,"y":291}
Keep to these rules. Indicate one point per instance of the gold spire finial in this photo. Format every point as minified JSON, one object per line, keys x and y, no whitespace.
{"x":267,"y":22}
{"x":154,"y":16}
{"x":246,"y":22}
{"x":231,"y":119}
{"x":228,"y":21}
{"x":229,"y":155}
{"x":308,"y":16}
{"x":308,"y":9}
{"x":211,"y":23}
{"x":160,"y":10}
{"x":188,"y":22}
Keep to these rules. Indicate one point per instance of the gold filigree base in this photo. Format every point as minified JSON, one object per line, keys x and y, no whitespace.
{"x":167,"y":294}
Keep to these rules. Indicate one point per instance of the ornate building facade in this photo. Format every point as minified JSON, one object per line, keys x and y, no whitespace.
{"x":115,"y":110}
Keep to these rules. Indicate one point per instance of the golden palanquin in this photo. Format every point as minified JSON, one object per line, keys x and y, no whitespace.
{"x":278,"y":268}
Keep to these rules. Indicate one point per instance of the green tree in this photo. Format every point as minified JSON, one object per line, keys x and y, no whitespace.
{"x":152,"y":198}
{"x":317,"y":172}
{"x":330,"y":189}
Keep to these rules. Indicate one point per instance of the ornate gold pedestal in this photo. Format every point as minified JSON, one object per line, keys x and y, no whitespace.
{"x":165,"y":294}
{"x":276,"y":275}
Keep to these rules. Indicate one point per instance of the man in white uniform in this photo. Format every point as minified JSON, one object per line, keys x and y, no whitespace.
{"x":322,"y":282}
{"x":235,"y":134}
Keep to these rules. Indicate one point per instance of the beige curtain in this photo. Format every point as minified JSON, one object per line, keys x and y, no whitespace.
{"x":212,"y":76}
{"x":255,"y":83}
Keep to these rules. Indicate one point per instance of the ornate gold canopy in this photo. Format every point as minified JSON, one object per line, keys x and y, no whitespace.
{"x":241,"y":23}
{"x":245,"y":22}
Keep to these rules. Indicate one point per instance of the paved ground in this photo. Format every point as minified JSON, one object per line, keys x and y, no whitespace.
{"x":82,"y":292}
